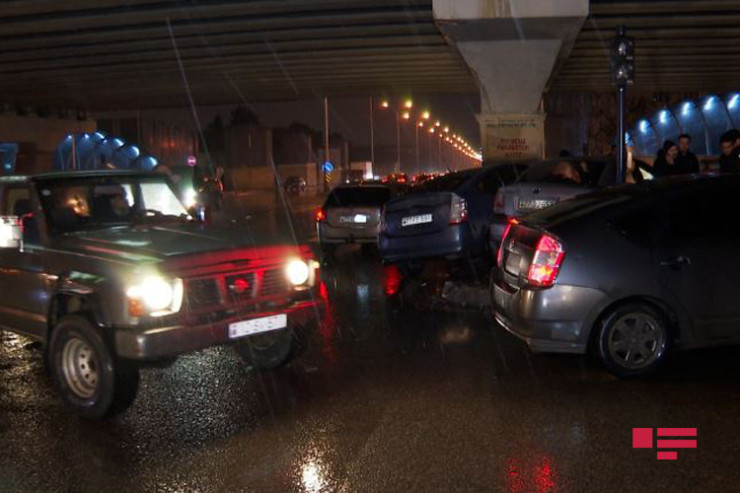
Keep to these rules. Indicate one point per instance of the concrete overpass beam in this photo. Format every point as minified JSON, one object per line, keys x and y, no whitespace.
{"x":513,"y":48}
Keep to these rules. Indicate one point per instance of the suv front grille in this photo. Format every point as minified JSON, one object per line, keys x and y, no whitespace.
{"x":246,"y":286}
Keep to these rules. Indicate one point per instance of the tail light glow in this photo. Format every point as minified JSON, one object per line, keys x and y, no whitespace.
{"x":458,"y":210}
{"x":320,"y":215}
{"x":545,"y":266}
{"x":499,"y":204}
{"x":500,"y":253}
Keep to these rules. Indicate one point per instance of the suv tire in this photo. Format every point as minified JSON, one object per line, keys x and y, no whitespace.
{"x":268,"y":350}
{"x":90,"y":379}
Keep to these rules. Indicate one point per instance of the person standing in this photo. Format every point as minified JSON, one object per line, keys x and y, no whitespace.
{"x":665,"y":164}
{"x":729,"y":161}
{"x":686,"y":160}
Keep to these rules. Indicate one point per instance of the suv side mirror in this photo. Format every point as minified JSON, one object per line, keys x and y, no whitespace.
{"x":11,"y":233}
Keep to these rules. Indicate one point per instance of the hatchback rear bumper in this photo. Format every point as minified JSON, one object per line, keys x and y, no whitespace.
{"x":333,"y":235}
{"x":452,"y":242}
{"x":554,"y":320}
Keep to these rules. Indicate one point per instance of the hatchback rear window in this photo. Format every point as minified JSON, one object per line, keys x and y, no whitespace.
{"x":358,"y":196}
{"x":577,"y":207}
{"x":444,"y":183}
{"x":565,"y":171}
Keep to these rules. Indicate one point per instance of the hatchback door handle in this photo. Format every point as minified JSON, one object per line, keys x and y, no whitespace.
{"x":676,"y":263}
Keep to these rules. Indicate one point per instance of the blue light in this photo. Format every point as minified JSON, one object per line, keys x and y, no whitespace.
{"x":69,"y":136}
{"x":136,"y":151}
{"x":85,"y":136}
{"x":627,"y":137}
{"x":686,"y":108}
{"x":664,"y":117}
{"x":99,"y":135}
{"x":733,"y":101}
{"x":709,"y":104}
{"x":644,"y":126}
{"x":118,"y":142}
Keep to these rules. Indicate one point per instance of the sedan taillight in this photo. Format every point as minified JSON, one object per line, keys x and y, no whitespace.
{"x":458,"y":210}
{"x":320,"y":214}
{"x":546,"y":262}
{"x":499,"y":204}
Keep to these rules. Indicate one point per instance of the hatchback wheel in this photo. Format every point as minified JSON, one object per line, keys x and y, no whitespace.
{"x":90,"y":379}
{"x":633,"y":340}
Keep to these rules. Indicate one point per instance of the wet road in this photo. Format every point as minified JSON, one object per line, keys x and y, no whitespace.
{"x":389,"y":394}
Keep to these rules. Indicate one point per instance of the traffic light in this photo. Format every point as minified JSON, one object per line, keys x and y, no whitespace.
{"x":623,"y":58}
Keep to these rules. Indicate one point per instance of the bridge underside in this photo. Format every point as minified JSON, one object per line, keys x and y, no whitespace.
{"x":110,"y":54}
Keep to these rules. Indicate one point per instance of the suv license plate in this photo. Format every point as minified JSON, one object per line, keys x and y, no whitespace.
{"x":413,"y":220}
{"x":264,"y":324}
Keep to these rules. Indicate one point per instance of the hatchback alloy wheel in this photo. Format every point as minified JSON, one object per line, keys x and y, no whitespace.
{"x":636,"y":341}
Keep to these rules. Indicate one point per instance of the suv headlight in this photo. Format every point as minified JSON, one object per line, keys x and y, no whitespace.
{"x":155,"y":296}
{"x":297,"y":271}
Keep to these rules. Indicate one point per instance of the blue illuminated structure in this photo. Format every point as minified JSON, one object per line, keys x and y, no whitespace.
{"x":705,"y":119}
{"x":99,"y":151}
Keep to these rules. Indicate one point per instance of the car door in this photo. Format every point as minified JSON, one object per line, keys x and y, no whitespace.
{"x":24,"y":302}
{"x":696,"y":257}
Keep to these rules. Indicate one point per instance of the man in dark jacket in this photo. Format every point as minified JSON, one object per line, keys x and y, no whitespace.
{"x":686,"y":160}
{"x":729,"y":161}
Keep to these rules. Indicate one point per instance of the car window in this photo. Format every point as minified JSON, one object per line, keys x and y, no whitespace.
{"x":498,"y":177}
{"x":444,"y":183}
{"x":575,"y":172}
{"x":16,"y":201}
{"x":358,"y":196}
{"x":705,"y":214}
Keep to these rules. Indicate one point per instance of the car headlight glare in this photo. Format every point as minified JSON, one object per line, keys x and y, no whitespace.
{"x":297,"y":271}
{"x":190,"y":198}
{"x":155,"y":296}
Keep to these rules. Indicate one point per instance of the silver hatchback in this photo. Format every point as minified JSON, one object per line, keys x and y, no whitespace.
{"x":351,"y":214}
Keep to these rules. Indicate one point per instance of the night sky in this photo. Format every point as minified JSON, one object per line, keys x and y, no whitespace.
{"x":349,"y":116}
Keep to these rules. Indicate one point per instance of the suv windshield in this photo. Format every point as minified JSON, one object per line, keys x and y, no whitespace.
{"x":96,"y":202}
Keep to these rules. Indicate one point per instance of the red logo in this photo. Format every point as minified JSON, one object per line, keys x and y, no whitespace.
{"x":240,"y":285}
{"x":643,"y":438}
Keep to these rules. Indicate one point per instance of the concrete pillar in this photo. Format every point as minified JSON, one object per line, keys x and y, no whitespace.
{"x":512,"y":47}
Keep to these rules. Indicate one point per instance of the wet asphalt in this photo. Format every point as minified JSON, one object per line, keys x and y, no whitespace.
{"x":393,"y":392}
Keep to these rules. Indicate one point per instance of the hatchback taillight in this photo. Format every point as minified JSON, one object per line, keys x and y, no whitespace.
{"x":546,"y":262}
{"x":499,"y":204}
{"x":458,"y":210}
{"x":500,"y":253}
{"x":320,"y":215}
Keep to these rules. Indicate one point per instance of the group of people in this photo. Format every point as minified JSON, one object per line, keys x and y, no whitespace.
{"x":677,"y":159}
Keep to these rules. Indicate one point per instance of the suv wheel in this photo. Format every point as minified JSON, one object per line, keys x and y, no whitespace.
{"x":633,"y":340}
{"x":268,"y":350}
{"x":90,"y":380}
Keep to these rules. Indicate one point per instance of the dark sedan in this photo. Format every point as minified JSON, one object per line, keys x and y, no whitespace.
{"x":446,"y":217}
{"x":630,"y":273}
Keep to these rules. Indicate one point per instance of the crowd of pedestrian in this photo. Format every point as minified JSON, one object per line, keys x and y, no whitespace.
{"x":677,"y":159}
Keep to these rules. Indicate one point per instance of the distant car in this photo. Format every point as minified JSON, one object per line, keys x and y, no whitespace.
{"x":542,"y":185}
{"x":295,"y":185}
{"x":351,"y":214}
{"x":446,"y":217}
{"x":628,"y":272}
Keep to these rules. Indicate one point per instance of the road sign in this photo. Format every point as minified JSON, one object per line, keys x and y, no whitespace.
{"x":328,"y":167}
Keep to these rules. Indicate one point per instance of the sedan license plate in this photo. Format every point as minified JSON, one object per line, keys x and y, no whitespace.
{"x":356,"y":219}
{"x":531,"y":204}
{"x":257,"y":325}
{"x":413,"y":220}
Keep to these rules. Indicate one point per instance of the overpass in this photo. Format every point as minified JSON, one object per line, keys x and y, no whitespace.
{"x":132,"y":54}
